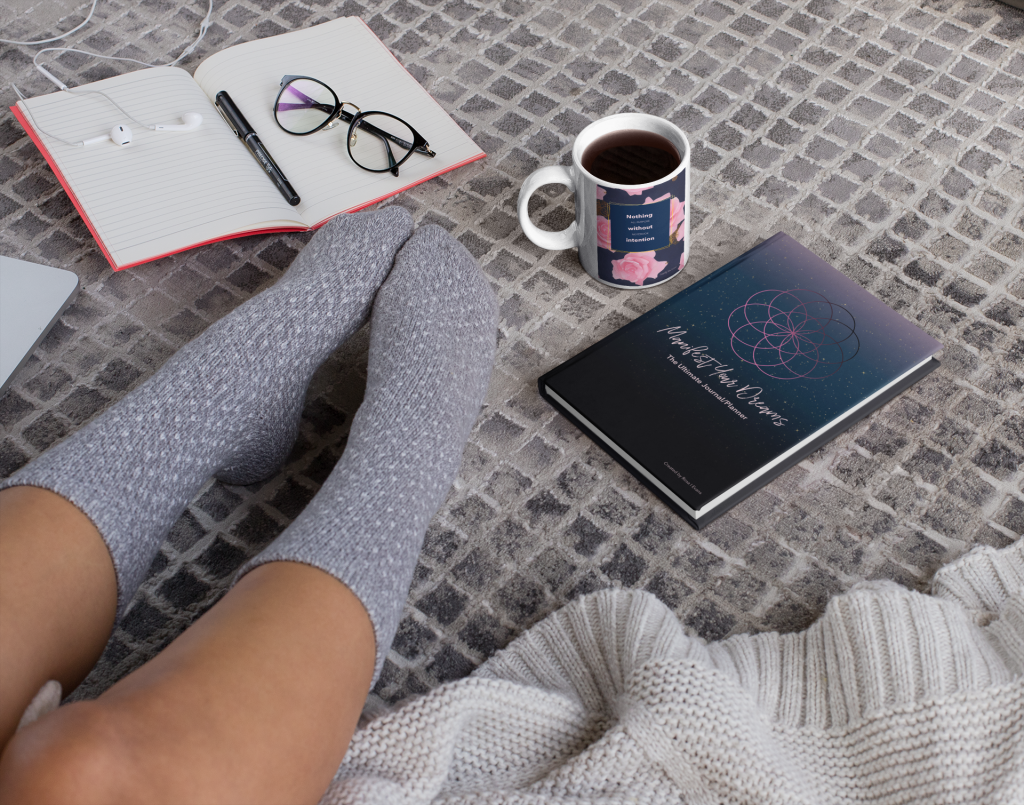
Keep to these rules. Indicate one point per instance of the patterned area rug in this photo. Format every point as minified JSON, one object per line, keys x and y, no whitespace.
{"x":886,"y":136}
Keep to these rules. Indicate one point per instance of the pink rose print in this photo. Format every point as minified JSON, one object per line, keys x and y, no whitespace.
{"x":677,"y":217}
{"x":639,"y":191}
{"x":636,"y":267}
{"x":604,"y":232}
{"x":677,"y":213}
{"x":600,"y":193}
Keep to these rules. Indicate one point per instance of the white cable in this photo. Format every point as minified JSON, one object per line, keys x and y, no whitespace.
{"x":38,"y":128}
{"x":203,"y":27}
{"x":119,"y":108}
{"x":55,"y":38}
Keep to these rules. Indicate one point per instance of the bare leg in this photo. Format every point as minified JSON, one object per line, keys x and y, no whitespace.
{"x":255,"y":702}
{"x":258,"y":700}
{"x":57,"y":597}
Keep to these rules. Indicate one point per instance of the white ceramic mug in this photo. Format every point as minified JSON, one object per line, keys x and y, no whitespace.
{"x":628,"y":236}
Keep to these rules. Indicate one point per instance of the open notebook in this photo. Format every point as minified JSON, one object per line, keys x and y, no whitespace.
{"x":171,"y":191}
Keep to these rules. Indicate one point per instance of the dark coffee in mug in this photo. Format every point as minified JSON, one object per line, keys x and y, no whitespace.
{"x":630,"y":157}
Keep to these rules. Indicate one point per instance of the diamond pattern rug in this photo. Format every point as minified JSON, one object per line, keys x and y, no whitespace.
{"x":886,"y":136}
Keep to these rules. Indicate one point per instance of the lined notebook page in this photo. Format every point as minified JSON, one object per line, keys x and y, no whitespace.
{"x":167,"y":190}
{"x":349,"y":58}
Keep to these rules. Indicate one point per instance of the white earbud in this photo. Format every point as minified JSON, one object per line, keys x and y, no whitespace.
{"x":190,"y":122}
{"x":122,"y":135}
{"x":119,"y":135}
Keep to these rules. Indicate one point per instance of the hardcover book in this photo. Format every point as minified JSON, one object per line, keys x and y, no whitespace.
{"x":171,"y":191}
{"x":719,"y":389}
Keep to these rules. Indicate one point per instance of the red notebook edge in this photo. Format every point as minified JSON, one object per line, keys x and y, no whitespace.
{"x":402,"y":189}
{"x":60,"y":177}
{"x":33,"y":135}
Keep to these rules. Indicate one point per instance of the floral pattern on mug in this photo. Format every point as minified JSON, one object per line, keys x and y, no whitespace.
{"x":677,"y":217}
{"x":638,"y":269}
{"x":604,"y":232}
{"x":635,"y":267}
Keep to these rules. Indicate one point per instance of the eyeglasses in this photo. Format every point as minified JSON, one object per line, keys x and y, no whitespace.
{"x":377,"y":141}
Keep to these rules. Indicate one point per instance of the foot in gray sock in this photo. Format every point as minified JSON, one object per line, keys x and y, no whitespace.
{"x":432,"y":342}
{"x":227,"y":403}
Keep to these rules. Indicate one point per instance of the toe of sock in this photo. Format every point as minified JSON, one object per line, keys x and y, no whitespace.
{"x":395,"y":220}
{"x":436,"y":295}
{"x":359,"y":234}
{"x":432,"y":262}
{"x":433,"y":247}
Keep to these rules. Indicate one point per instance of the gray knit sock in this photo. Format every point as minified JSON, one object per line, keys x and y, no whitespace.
{"x":228,"y":403}
{"x":432,"y":341}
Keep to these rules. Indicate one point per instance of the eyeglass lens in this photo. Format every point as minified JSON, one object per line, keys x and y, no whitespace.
{"x":304,"y":106}
{"x":379,"y":141}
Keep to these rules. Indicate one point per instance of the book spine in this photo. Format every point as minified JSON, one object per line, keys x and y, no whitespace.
{"x":843,"y":425}
{"x":619,"y":459}
{"x":847,"y":422}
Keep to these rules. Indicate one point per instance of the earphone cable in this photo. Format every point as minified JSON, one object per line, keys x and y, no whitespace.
{"x":37,"y":127}
{"x":203,"y":27}
{"x":80,"y":25}
{"x":79,"y":92}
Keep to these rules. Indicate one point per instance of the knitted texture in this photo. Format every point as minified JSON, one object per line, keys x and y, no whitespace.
{"x":892,"y":696}
{"x":432,"y":342}
{"x":227,"y":403}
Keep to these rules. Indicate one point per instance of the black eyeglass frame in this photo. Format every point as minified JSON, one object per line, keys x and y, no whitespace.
{"x":418,"y":144}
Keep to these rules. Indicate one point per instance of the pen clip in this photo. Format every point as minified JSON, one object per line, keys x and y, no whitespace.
{"x":221,"y":112}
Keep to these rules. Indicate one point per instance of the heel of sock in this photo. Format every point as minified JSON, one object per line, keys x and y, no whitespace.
{"x":263,"y":449}
{"x":255,"y":467}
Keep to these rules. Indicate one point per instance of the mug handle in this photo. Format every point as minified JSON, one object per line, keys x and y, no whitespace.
{"x":553,"y":174}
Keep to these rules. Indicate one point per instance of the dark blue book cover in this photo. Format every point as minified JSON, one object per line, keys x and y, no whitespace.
{"x":739,"y":370}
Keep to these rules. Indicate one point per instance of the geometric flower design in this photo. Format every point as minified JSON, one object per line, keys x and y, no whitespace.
{"x":793,"y":335}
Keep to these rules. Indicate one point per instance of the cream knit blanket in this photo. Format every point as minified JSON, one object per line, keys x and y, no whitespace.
{"x":893,"y":696}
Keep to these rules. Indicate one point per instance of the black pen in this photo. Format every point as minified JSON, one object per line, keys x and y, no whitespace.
{"x":245,"y":133}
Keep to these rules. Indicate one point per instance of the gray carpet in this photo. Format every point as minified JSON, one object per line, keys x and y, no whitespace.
{"x":886,"y":136}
